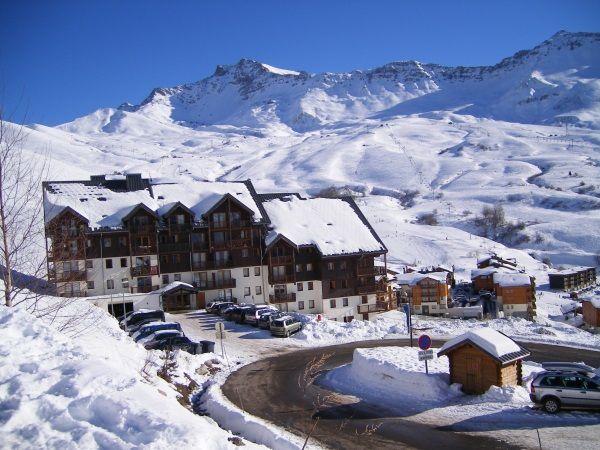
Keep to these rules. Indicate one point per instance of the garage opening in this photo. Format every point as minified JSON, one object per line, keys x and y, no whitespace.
{"x":120,"y":309}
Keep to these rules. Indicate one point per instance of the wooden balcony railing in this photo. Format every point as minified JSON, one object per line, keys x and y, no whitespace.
{"x":64,"y":276}
{"x":140,"y":271}
{"x":241,"y":224}
{"x":144,"y":250}
{"x":172,"y":247}
{"x":376,"y":307}
{"x":142,"y":229}
{"x":179,"y":227}
{"x":240,"y":243}
{"x":282,"y":278}
{"x":211,"y":265}
{"x":282,"y":298}
{"x":282,"y":260}
{"x":371,"y":288}
{"x":143,"y":289}
{"x":215,"y":284}
{"x":370,"y":270}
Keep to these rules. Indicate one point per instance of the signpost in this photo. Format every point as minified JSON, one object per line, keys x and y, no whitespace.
{"x":221,"y":334}
{"x":407,"y":310}
{"x":425,"y":354}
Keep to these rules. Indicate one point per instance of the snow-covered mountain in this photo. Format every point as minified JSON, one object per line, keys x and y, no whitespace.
{"x":555,"y":82}
{"x":451,"y":139}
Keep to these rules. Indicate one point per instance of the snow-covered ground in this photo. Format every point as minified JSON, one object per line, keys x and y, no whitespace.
{"x":394,"y":378}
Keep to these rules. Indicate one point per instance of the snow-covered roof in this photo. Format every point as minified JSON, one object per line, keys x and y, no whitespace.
{"x":486,"y":271}
{"x":173,"y":286}
{"x":101,"y":206}
{"x":496,"y":258}
{"x":332,"y":225}
{"x":496,"y":344}
{"x":201,"y":196}
{"x":569,"y":271}
{"x":413,"y":278}
{"x":595,"y":301}
{"x":512,"y":279}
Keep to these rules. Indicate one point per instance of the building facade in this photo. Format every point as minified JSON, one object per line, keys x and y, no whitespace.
{"x":110,"y":235}
{"x":573,"y":279}
{"x":429,"y":293}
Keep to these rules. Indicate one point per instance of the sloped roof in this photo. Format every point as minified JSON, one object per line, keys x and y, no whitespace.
{"x":334,"y":226}
{"x":413,"y":278}
{"x":512,"y":279}
{"x":494,"y":343}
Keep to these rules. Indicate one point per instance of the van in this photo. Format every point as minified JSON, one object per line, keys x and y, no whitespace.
{"x":285,"y":326}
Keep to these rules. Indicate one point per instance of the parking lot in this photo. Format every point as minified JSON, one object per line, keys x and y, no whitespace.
{"x":243,"y":342}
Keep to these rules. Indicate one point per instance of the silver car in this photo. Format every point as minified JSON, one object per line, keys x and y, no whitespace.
{"x":556,"y":389}
{"x":285,"y":326}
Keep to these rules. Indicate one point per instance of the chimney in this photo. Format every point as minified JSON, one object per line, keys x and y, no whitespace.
{"x":133,"y":182}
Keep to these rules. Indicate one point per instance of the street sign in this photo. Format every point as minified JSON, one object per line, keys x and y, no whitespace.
{"x":425,"y":355}
{"x":424,"y":342}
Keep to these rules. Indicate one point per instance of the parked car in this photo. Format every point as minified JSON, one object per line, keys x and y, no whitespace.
{"x":254,"y":314}
{"x":151,"y":327}
{"x":176,"y":343}
{"x":213,"y":307}
{"x":239,"y":315}
{"x":159,"y":336}
{"x":285,"y":326}
{"x":221,"y":307}
{"x":142,"y":317}
{"x":264,"y":321}
{"x":557,"y":389}
{"x":232,"y":312}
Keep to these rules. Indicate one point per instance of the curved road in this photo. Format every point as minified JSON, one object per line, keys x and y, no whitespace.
{"x":269,"y":389}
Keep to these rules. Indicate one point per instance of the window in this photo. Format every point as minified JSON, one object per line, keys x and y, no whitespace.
{"x":331,"y":284}
{"x":332,"y":303}
{"x":108,"y":263}
{"x":246,"y":272}
{"x":258,"y":290}
{"x":219,"y":237}
{"x":246,"y":291}
{"x":300,"y":305}
{"x":122,"y":241}
{"x":309,"y":267}
{"x":257,"y":271}
{"x":299,"y":287}
{"x":107,"y":242}
{"x":179,"y":219}
{"x":311,"y":304}
{"x":343,"y":284}
{"x":330,"y":266}
{"x":344,"y":301}
{"x":90,"y":285}
{"x":123,"y":262}
{"x":177,"y":277}
{"x":219,"y":220}
{"x":364,"y":299}
{"x":573,"y":382}
{"x":343,"y":265}
{"x":165,"y":279}
{"x":88,"y":243}
{"x":310,"y":286}
{"x":298,"y":267}
{"x":110,"y":284}
{"x":245,"y":253}
{"x":89,"y":264}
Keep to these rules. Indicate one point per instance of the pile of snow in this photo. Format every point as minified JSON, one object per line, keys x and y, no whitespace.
{"x":97,"y":390}
{"x":393,"y":375}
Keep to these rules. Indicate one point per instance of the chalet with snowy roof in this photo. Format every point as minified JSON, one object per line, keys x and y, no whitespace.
{"x":482,"y":358}
{"x":126,"y":233}
{"x":483,"y":279}
{"x":428,"y":292}
{"x":573,"y":279}
{"x":515,"y":293}
{"x":496,"y":261}
{"x":591,"y":312}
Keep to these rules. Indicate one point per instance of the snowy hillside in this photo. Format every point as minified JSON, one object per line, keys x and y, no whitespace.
{"x":409,"y":137}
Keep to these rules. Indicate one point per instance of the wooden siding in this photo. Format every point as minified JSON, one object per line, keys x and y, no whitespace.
{"x":591,"y":314}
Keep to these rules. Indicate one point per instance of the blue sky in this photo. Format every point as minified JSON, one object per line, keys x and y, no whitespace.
{"x":62,"y":59}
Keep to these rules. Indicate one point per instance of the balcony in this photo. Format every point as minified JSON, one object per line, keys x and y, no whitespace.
{"x":65,"y":276}
{"x":215,"y":284}
{"x":282,"y":260}
{"x":371,"y":288}
{"x":179,"y":227}
{"x":240,"y":243}
{"x":282,"y":298}
{"x":211,"y":265}
{"x":372,"y":308}
{"x":218,"y":225}
{"x":144,"y":250}
{"x":140,"y":271}
{"x":65,"y":254}
{"x":173,"y":247}
{"x":365,"y":271}
{"x":199,"y":245}
{"x":142,"y":229}
{"x":241,"y":224}
{"x":282,"y":278}
{"x":143,"y":289}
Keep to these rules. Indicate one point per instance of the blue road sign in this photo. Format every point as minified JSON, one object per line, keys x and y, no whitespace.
{"x":424,"y":342}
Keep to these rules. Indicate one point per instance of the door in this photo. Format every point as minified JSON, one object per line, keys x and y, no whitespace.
{"x":473,"y":383}
{"x":574,"y":392}
{"x":425,"y":309}
{"x":200,"y":300}
{"x":592,"y":391}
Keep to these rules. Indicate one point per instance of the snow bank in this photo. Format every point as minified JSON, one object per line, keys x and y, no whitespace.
{"x":90,"y":391}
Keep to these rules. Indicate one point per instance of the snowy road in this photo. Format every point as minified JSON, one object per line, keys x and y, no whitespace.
{"x":269,"y":389}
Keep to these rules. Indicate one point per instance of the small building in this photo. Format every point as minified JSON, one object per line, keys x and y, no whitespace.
{"x":482,"y":358}
{"x":573,"y":279}
{"x":515,"y":293}
{"x":428,"y":292}
{"x":179,"y":296}
{"x":483,"y":279}
{"x":496,"y":261}
{"x":591,"y":312}
{"x":449,"y":271}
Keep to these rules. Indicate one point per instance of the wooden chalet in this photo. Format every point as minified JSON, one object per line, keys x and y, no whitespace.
{"x":482,"y":358}
{"x":591,"y":312}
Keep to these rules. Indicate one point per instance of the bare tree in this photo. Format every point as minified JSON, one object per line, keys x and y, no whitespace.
{"x":22,"y":261}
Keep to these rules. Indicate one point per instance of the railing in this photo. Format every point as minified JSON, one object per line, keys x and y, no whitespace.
{"x":218,"y":225}
{"x":144,"y":250}
{"x":370,"y":270}
{"x":240,"y":243}
{"x":211,"y":265}
{"x":197,"y":245}
{"x":371,"y":288}
{"x":241,"y":224}
{"x":70,"y":275}
{"x":65,"y":254}
{"x":143,"y":289}
{"x":215,"y":284}
{"x":282,"y":298}
{"x":142,"y":229}
{"x":167,"y":247}
{"x":282,"y":278}
{"x":73,"y":294}
{"x":139,"y":271}
{"x":370,"y":308}
{"x":279,"y":260}
{"x":179,"y":227}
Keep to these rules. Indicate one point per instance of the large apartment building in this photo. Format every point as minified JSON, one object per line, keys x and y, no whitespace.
{"x":125,"y":233}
